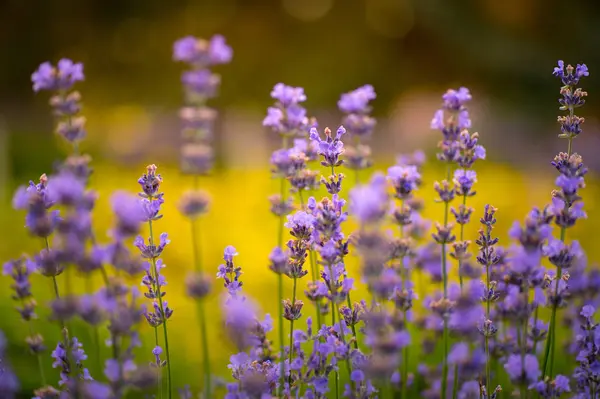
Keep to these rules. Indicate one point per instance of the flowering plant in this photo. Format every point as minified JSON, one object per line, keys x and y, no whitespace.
{"x":485,"y":320}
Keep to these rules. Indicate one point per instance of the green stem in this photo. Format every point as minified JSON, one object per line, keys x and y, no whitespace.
{"x":159,"y":379}
{"x":38,"y":355}
{"x":550,"y":345}
{"x":54,"y":282}
{"x":445,"y":282}
{"x":337,"y":375}
{"x":314,"y":273}
{"x":455,"y":383}
{"x":162,"y":311}
{"x":282,"y":353}
{"x":333,"y":311}
{"x":462,"y":237}
{"x":280,"y":289}
{"x":404,"y":381}
{"x":196,"y":244}
{"x":292,"y":334}
{"x":488,"y":373}
{"x":200,"y":304}
{"x":535,"y":319}
{"x":353,"y":327}
{"x":205,"y":353}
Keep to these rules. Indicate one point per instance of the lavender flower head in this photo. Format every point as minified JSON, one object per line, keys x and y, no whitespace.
{"x":451,"y":119}
{"x":287,"y":117}
{"x":369,"y":203}
{"x":355,"y":105}
{"x":230,"y":273}
{"x":405,"y":179}
{"x":573,"y":97}
{"x":201,"y":52}
{"x":66,"y":104}
{"x":331,"y":148}
{"x":61,"y":77}
{"x":40,"y":221}
{"x":70,"y":361}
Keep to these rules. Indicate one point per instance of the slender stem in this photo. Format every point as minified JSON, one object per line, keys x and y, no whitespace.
{"x":488,"y":372}
{"x":314,"y":268}
{"x":535,"y":319}
{"x":343,"y":337}
{"x":333,"y":311}
{"x":162,"y":311}
{"x":280,"y":289}
{"x":195,"y":224}
{"x":462,"y":237}
{"x":54,"y":282}
{"x":551,"y":340}
{"x":337,"y":375}
{"x":38,"y":355}
{"x":200,"y":304}
{"x":292,"y":334}
{"x":205,"y":353}
{"x":445,"y":282}
{"x":455,"y":382}
{"x":159,"y":379}
{"x":404,"y":381}
{"x":353,"y":327}
{"x":41,"y":367}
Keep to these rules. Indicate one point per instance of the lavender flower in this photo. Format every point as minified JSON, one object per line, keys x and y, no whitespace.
{"x":288,"y":117}
{"x":69,"y":357}
{"x":230,"y":273}
{"x":40,"y":221}
{"x":358,"y":122}
{"x":61,"y":79}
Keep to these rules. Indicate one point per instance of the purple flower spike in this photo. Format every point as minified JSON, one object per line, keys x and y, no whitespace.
{"x":357,"y":101}
{"x":62,"y":77}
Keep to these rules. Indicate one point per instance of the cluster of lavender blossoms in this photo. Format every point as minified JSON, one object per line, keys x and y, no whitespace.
{"x":379,"y":330}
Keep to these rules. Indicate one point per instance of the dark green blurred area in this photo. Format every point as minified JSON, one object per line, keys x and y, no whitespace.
{"x":328,"y":46}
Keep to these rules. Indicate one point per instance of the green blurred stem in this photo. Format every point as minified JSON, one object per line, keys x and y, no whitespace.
{"x":333,"y":310}
{"x":535,"y":319}
{"x":162,"y":311}
{"x":551,"y":340}
{"x":445,"y":282}
{"x":314,"y":272}
{"x":405,"y":278}
{"x":38,"y":355}
{"x":280,"y":287}
{"x":196,"y":244}
{"x":462,"y":237}
{"x":292,"y":333}
{"x":455,"y":383}
{"x":53,"y":277}
{"x":524,"y":334}
{"x":488,"y":368}
{"x":337,"y":375}
{"x":205,"y":353}
{"x":353,"y":326}
{"x":159,"y":379}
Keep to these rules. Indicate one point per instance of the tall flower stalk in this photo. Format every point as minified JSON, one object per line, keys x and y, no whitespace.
{"x":200,"y":85}
{"x":360,"y":125}
{"x":488,"y":258}
{"x":451,"y":119}
{"x":567,"y":206}
{"x":288,"y":119}
{"x":20,"y":271}
{"x":152,"y":200}
{"x":404,"y":179}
